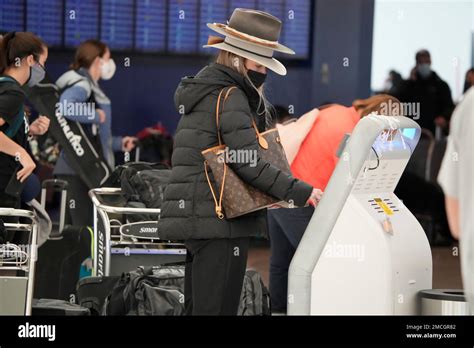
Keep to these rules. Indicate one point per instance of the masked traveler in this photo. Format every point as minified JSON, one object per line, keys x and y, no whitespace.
{"x":22,"y":59}
{"x":433,"y":94}
{"x":217,"y":248}
{"x":82,"y":100}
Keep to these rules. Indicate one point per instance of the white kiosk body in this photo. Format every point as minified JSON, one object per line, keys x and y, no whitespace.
{"x":363,"y":251}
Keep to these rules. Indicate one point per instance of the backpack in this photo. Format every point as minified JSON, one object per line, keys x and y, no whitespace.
{"x":156,"y":290}
{"x":255,"y":297}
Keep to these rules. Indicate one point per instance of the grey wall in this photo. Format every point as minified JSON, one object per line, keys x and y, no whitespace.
{"x":343,"y":34}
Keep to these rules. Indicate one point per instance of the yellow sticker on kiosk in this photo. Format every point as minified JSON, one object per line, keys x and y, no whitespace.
{"x":384,"y":206}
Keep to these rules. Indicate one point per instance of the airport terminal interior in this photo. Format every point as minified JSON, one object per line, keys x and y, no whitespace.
{"x":236,"y":157}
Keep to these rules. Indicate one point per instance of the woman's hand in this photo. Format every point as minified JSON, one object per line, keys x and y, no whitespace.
{"x":39,"y":126}
{"x":101,"y":115}
{"x":315,"y":197}
{"x":27,"y":163}
{"x":128,"y":143}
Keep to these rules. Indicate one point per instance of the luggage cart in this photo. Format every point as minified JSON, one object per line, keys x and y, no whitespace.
{"x":17,"y":264}
{"x":121,"y":241}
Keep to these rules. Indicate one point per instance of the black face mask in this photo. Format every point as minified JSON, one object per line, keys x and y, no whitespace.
{"x":256,"y":77}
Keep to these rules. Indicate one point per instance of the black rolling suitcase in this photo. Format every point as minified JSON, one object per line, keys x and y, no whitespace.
{"x":60,"y":258}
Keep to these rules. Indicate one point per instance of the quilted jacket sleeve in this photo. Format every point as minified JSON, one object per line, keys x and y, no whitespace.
{"x":239,"y":135}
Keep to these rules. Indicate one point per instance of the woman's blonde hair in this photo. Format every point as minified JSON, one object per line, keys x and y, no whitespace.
{"x":237,"y":63}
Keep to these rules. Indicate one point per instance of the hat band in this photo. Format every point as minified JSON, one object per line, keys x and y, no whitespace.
{"x":259,"y":51}
{"x":247,"y":37}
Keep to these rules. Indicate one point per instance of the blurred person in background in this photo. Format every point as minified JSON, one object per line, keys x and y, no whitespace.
{"x":469,"y":81}
{"x":434,"y":95}
{"x":80,"y":86}
{"x":393,"y":82}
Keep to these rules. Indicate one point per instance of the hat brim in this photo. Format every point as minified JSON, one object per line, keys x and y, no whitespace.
{"x":220,"y":30}
{"x":270,"y":63}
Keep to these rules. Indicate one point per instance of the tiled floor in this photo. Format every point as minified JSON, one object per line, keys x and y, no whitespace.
{"x":446,"y":269}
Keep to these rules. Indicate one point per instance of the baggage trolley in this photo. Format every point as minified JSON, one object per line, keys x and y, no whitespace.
{"x":17,"y":264}
{"x":120,"y":245}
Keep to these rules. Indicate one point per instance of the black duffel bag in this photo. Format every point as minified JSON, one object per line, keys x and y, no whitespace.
{"x":142,"y":185}
{"x":145,"y":186}
{"x":131,"y":168}
{"x":156,"y":290}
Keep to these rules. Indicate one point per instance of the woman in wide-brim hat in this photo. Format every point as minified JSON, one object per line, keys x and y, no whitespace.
{"x":217,"y":248}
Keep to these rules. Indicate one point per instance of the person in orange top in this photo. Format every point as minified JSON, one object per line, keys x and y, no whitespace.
{"x":316,"y":158}
{"x":314,"y":163}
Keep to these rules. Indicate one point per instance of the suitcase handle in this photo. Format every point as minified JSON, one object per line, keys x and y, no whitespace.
{"x":58,"y":185}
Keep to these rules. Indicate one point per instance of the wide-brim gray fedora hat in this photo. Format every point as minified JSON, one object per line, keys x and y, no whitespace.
{"x":253,"y":35}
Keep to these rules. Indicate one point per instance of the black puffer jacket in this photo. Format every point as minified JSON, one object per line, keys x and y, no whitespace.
{"x":188,"y":207}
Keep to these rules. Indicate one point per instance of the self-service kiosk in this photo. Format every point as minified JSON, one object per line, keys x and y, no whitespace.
{"x":363,"y":251}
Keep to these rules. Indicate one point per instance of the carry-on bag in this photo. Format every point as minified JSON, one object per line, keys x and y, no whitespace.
{"x":234,"y":197}
{"x":114,"y":180}
{"x":145,"y":186}
{"x":142,"y":186}
{"x":157,"y":290}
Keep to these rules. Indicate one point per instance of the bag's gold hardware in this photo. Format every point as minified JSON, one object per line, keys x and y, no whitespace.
{"x":219,"y":213}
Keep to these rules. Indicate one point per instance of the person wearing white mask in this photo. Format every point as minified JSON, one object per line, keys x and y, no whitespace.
{"x":432,"y":93}
{"x":82,"y":100}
